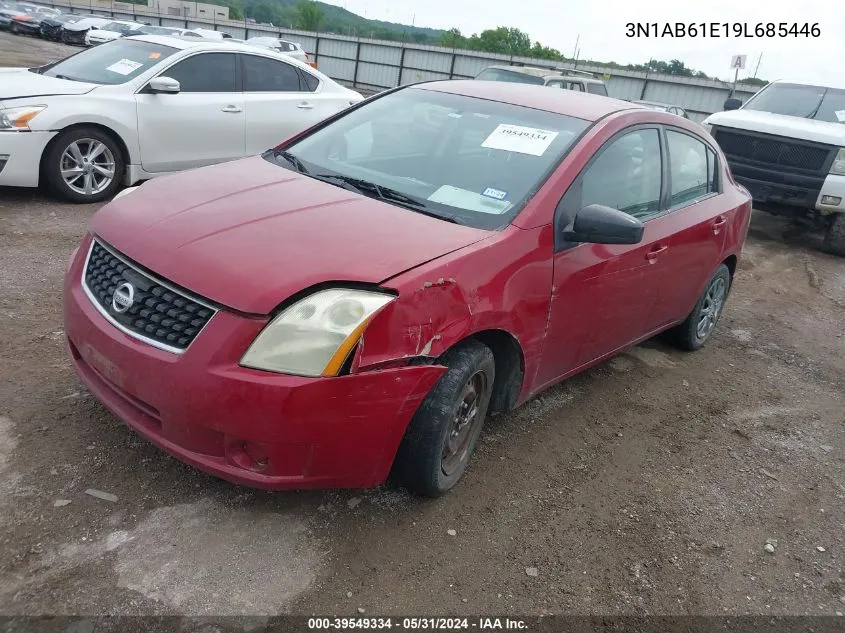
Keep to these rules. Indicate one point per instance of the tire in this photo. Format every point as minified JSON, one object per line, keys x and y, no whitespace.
{"x":693,"y":333}
{"x":107,"y":157}
{"x":421,"y":461}
{"x":834,"y":239}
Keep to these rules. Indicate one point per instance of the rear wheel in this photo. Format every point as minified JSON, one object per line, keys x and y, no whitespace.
{"x":693,"y":333}
{"x":441,"y":438}
{"x":84,"y":164}
{"x":834,"y":239}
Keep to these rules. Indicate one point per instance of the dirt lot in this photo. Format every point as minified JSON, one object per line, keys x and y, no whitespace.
{"x":648,"y":485}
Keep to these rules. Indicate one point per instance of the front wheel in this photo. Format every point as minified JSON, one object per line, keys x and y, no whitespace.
{"x":84,"y":164}
{"x":693,"y":333}
{"x":834,"y":239}
{"x":441,"y":438}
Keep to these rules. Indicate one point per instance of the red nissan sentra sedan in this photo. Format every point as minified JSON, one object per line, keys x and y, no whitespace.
{"x":357,"y":300}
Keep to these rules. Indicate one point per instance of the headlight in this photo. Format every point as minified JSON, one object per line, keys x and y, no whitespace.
{"x":838,"y":167}
{"x":314,"y":336}
{"x":18,"y":119}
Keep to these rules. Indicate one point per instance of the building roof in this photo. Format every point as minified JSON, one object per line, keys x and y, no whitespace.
{"x":581,"y":105}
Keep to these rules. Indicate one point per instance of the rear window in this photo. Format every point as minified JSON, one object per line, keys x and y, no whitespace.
{"x":597,"y":89}
{"x":498,"y":74}
{"x":111,"y":63}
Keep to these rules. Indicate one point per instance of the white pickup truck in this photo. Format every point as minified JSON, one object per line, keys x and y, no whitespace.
{"x":786,"y":145}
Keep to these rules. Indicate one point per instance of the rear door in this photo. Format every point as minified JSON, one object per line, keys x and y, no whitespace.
{"x":201,"y":125}
{"x":699,"y":216}
{"x":280,"y":100}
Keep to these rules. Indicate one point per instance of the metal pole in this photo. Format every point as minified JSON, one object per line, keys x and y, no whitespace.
{"x":736,"y":76}
{"x":757,"y":67}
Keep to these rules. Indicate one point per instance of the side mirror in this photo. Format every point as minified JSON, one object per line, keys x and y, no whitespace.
{"x":598,"y":224}
{"x":165,"y":85}
{"x":732,"y":104}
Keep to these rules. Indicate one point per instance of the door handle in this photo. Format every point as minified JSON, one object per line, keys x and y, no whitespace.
{"x":305,"y":106}
{"x":654,"y":253}
{"x":231,"y":109}
{"x":718,"y":223}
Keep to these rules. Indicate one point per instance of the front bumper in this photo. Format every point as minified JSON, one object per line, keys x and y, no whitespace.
{"x":73,"y":37}
{"x":20,"y":157}
{"x":248,"y":427}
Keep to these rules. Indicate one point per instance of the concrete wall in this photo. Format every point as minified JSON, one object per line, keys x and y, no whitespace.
{"x":375,"y":65}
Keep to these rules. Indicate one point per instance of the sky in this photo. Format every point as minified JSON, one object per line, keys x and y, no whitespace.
{"x":599,"y":26}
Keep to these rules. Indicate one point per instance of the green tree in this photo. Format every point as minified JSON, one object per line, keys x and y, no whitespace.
{"x":504,"y":40}
{"x":309,"y":15}
{"x":263,"y":12}
{"x":452,"y":39}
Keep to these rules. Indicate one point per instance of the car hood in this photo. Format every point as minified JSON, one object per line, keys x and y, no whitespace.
{"x":781,"y":125}
{"x":101,"y":34}
{"x":83,"y":25}
{"x":248,"y":234}
{"x":20,"y":83}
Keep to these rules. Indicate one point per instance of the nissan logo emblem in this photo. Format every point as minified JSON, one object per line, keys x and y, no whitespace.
{"x":123,"y":298}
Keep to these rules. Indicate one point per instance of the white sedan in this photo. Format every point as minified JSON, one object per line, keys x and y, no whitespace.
{"x":111,"y":31}
{"x":144,"y":106}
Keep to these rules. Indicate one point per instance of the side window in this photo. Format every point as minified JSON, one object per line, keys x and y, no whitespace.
{"x":626,"y":175}
{"x":574,"y":85}
{"x":262,"y":74}
{"x":555,"y":84}
{"x":205,"y":72}
{"x":712,"y":172}
{"x":311,"y":82}
{"x":690,"y":168}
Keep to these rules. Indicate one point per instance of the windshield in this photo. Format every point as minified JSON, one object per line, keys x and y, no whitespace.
{"x":157,"y":30}
{"x":472,"y":161}
{"x":112,"y":63}
{"x":809,"y":102}
{"x":498,"y":74}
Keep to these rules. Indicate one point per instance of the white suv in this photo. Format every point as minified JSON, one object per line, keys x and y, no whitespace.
{"x":786,"y":145}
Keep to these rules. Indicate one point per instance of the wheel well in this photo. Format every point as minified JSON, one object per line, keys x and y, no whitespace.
{"x":124,"y":151}
{"x":510,"y":367}
{"x":730,"y":262}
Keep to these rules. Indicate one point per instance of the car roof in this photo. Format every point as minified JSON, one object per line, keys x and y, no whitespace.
{"x":657,"y":103}
{"x":836,"y":85}
{"x":547,"y":73}
{"x":581,"y":105}
{"x":207,"y":44}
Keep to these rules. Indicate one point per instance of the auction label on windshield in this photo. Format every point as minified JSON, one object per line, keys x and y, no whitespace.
{"x":523,"y":140}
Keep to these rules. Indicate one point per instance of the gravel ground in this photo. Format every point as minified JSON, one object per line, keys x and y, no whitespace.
{"x":648,"y":485}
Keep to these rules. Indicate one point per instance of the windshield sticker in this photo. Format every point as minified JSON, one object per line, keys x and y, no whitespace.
{"x":155,"y":55}
{"x":840,"y":115}
{"x":523,"y":140}
{"x":124,"y":67}
{"x":469,"y":200}
{"x":454,"y":115}
{"x":494,"y":193}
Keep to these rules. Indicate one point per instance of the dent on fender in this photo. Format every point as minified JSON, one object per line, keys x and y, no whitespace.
{"x":421,"y":323}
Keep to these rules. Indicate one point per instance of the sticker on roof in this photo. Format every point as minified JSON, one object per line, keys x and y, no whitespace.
{"x":523,"y":140}
{"x":124,"y":67}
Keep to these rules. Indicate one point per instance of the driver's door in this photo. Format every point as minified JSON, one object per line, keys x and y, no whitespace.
{"x":202,"y":124}
{"x":602,"y":294}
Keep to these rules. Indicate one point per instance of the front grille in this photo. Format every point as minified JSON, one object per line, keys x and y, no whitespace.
{"x":157,"y":313}
{"x":772,"y":151}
